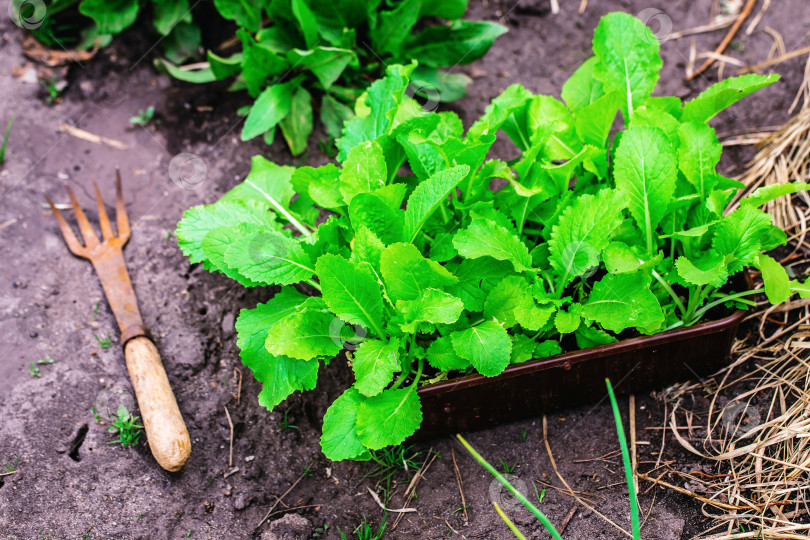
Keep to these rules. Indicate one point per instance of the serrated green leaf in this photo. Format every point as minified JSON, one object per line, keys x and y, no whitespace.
{"x":485,"y":238}
{"x":374,"y":364}
{"x":280,"y":376}
{"x":367,"y":248}
{"x":723,"y":94}
{"x":389,"y":417}
{"x":765,"y":194}
{"x":698,"y":155}
{"x":198,"y":221}
{"x":372,"y":211}
{"x":216,"y":244}
{"x":442,"y":356}
{"x":433,"y":306}
{"x":583,"y":231}
{"x":407,"y":274}
{"x":321,"y":183}
{"x":588,"y":336}
{"x":582,"y":88}
{"x":739,"y":236}
{"x":427,"y":197}
{"x":339,"y":439}
{"x":594,"y":120}
{"x":462,"y":42}
{"x":568,"y":321}
{"x":351,"y":292}
{"x":269,"y":257}
{"x":305,"y":335}
{"x":620,"y":301}
{"x":486,"y":346}
{"x":646,"y":169}
{"x":777,"y":282}
{"x":710,"y":269}
{"x":476,"y":278}
{"x":628,"y":58}
{"x":363,"y":171}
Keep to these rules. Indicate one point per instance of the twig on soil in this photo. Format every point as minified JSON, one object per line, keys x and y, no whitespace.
{"x":571,"y":491}
{"x":232,"y":471}
{"x":411,"y":490}
{"x":381,"y":505}
{"x":277,"y":512}
{"x":717,"y":24}
{"x":8,"y":473}
{"x":568,"y":517}
{"x":774,"y":61}
{"x":278,"y":501}
{"x":589,"y":497}
{"x":230,"y":444}
{"x":92,"y":137}
{"x":583,"y":5}
{"x":8,"y":223}
{"x":600,"y":458}
{"x":460,"y":483}
{"x":238,"y":395}
{"x":746,"y":11}
{"x":663,"y":438}
{"x":555,"y":6}
{"x":755,"y":21}
{"x":633,"y":453}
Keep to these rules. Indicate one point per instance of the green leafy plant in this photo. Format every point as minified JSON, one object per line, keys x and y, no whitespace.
{"x":46,"y":360}
{"x":402,"y":259}
{"x":144,"y":117}
{"x":312,"y":56}
{"x":83,"y":24}
{"x":365,"y":531}
{"x":125,"y":425}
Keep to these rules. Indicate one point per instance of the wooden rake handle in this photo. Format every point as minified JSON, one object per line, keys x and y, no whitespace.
{"x":165,"y":428}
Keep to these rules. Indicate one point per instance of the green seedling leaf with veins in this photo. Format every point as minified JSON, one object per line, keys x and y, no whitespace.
{"x":399,"y":259}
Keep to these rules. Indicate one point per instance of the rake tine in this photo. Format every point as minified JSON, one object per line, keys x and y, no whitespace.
{"x":90,"y":238}
{"x":67,"y":233}
{"x":103,"y":220}
{"x":121,"y":209}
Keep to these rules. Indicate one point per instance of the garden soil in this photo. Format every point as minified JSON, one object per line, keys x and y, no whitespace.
{"x":71,"y":484}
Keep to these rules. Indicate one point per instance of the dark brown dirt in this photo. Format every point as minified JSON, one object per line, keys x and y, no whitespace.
{"x":72,"y":484}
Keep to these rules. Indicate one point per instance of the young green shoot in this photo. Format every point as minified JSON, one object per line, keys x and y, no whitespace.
{"x":34,"y":371}
{"x":628,"y":468}
{"x":508,"y":469}
{"x":8,"y":467}
{"x":6,"y":134}
{"x":54,"y":88}
{"x":144,"y":116}
{"x":46,"y":360}
{"x":517,"y":494}
{"x":126,"y":426}
{"x":105,"y":342}
{"x":285,"y":424}
{"x":509,"y":523}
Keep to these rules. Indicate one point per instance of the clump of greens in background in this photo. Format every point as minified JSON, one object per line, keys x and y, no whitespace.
{"x":302,"y":58}
{"x":421,"y":271}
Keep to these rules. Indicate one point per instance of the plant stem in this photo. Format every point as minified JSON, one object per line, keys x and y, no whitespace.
{"x":280,"y":209}
{"x":669,"y":290}
{"x":518,"y":495}
{"x":313,"y":284}
{"x":628,"y":469}
{"x":505,"y":518}
{"x":701,"y":312}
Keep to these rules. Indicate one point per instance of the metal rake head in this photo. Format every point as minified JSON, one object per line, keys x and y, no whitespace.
{"x":91,"y":241}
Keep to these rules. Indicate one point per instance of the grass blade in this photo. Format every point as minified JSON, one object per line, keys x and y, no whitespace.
{"x":509,"y":523}
{"x":518,"y":495}
{"x":5,"y":138}
{"x":628,"y":469}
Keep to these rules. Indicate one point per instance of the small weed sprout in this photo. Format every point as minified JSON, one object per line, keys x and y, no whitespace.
{"x":34,"y":371}
{"x":285,"y":424}
{"x":46,"y":360}
{"x":508,"y":469}
{"x":55,"y":88}
{"x":9,"y":467}
{"x":144,"y":117}
{"x":126,"y":426}
{"x":105,"y":342}
{"x":4,"y":144}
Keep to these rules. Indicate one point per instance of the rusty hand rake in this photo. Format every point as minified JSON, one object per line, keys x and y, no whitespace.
{"x":165,"y":430}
